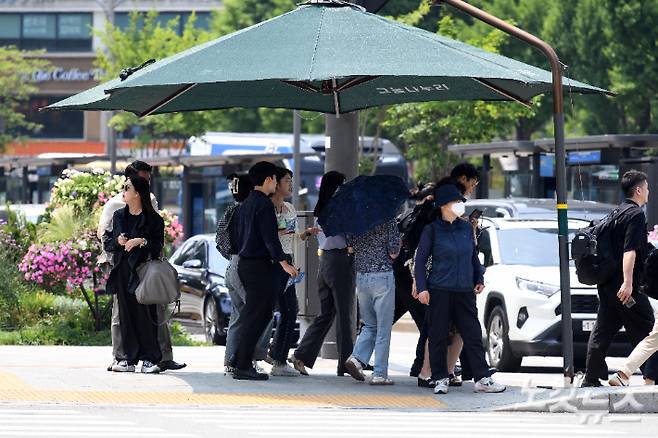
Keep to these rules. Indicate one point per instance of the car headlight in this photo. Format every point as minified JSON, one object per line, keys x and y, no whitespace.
{"x":547,"y":290}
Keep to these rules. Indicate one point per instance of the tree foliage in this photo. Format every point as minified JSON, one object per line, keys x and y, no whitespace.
{"x":16,"y":87}
{"x":426,"y":129}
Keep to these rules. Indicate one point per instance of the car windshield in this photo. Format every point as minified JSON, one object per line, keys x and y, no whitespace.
{"x":530,"y":246}
{"x":217,"y":264}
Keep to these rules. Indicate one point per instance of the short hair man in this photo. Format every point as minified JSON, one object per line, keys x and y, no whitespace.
{"x":467,"y":175}
{"x":259,"y":246}
{"x":136,"y":168}
{"x":630,"y":247}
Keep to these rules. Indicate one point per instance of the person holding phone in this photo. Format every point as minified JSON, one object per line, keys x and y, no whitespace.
{"x":286,"y":299}
{"x":449,"y":289}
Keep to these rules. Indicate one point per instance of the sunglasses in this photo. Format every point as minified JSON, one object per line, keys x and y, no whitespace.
{"x":126,"y":187}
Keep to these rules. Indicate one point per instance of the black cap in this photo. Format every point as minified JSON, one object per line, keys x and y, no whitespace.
{"x":446,"y":194}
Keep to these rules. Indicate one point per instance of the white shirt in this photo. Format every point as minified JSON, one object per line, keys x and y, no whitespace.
{"x":287,"y":219}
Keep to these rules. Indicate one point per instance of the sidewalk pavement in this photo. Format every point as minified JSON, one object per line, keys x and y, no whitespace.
{"x":77,"y":375}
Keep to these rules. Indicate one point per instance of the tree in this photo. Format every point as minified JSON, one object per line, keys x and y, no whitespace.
{"x":143,"y":39}
{"x":427,"y":129}
{"x":16,"y":87}
{"x":633,"y":54}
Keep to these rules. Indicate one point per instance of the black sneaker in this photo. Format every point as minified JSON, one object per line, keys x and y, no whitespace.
{"x":171,"y":365}
{"x":455,"y":380}
{"x":426,"y":383}
{"x":249,"y":374}
{"x":591,"y":384}
{"x":367,"y":366}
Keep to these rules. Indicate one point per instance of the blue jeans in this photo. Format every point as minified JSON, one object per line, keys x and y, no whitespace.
{"x":376,"y":293}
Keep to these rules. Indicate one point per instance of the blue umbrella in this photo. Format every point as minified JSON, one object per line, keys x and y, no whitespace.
{"x":363,"y":203}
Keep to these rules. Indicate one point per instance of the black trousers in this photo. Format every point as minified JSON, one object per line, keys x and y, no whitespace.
{"x":404,"y":303}
{"x":611,"y":316}
{"x":459,"y":308}
{"x":336,"y":287}
{"x":139,"y":332}
{"x":257,"y":277}
{"x":288,"y":308}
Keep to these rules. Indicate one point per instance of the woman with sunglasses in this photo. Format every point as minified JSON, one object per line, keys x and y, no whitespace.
{"x":137,"y":235}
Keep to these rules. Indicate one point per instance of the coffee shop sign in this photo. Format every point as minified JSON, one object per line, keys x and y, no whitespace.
{"x":67,"y":75}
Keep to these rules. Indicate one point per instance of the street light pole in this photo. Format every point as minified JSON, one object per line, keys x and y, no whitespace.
{"x":560,"y":164}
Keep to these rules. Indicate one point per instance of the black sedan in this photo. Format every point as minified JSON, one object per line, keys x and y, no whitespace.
{"x":204,"y":296}
{"x":201,"y":270}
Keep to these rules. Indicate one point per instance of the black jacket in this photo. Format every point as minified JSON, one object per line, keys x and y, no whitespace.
{"x":151,"y":229}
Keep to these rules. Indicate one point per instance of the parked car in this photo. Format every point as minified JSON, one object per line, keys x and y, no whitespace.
{"x":520,"y":310}
{"x":201,"y":269}
{"x":204,"y":296}
{"x":537,"y":208}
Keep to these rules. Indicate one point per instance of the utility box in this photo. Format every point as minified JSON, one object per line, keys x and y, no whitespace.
{"x":648,"y":165}
{"x":307,"y":260}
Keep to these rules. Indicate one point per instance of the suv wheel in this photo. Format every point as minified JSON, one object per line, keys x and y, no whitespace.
{"x":499,"y":351}
{"x":213,"y":323}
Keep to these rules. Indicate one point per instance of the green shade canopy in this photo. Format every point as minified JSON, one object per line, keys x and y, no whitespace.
{"x":327,"y":57}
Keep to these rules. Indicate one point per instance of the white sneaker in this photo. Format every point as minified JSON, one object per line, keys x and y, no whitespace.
{"x":487,"y":384}
{"x":123,"y":367}
{"x":381,"y":381}
{"x":258,"y":368}
{"x":442,"y":386}
{"x":149,"y":367}
{"x":284,"y":370}
{"x":354,"y":367}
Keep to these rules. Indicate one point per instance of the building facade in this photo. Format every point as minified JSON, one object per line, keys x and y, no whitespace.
{"x":63,"y":30}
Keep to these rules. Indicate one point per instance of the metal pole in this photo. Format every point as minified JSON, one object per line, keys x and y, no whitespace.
{"x":560,"y":164}
{"x":341,"y":154}
{"x":296,"y":156}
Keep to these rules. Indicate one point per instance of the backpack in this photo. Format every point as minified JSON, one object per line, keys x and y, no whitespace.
{"x":225,"y":246}
{"x":593,"y":249}
{"x":649,"y":284}
{"x":411,"y":225}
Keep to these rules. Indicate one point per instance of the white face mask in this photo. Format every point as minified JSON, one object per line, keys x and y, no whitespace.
{"x":459,"y":208}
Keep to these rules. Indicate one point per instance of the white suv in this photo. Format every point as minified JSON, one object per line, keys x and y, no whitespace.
{"x":520,"y":309}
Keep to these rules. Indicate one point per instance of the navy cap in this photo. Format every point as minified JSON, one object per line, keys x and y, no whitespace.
{"x":446,"y":194}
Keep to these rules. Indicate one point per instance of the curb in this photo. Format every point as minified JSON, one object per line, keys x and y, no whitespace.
{"x":635,"y":400}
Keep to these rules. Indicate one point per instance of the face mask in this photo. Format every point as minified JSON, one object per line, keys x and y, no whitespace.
{"x":459,"y":209}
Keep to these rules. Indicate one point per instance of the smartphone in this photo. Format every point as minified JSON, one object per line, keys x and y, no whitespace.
{"x":475,"y":215}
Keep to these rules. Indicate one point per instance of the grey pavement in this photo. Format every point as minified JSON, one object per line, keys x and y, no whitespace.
{"x":77,"y":376}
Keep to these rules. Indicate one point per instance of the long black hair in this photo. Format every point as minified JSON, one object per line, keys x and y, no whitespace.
{"x":142,"y":187}
{"x":330,"y":183}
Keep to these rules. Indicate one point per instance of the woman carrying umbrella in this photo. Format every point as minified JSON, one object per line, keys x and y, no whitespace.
{"x":336,"y":282}
{"x":450,"y":288}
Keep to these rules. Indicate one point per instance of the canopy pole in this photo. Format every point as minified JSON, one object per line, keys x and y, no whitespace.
{"x":297,"y":156}
{"x":560,"y":164}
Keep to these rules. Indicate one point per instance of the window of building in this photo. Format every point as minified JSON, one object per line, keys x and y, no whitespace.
{"x":54,"y":124}
{"x":122,"y":20}
{"x":53,"y":32}
{"x":10,"y":29}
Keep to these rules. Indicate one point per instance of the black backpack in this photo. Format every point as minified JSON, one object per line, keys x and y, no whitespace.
{"x":649,"y":285}
{"x":411,"y":225}
{"x":225,"y":246}
{"x":593,"y":249}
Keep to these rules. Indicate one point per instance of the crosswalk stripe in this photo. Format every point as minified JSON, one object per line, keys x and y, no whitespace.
{"x":79,"y":421}
{"x":72,"y":433}
{"x":32,"y":411}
